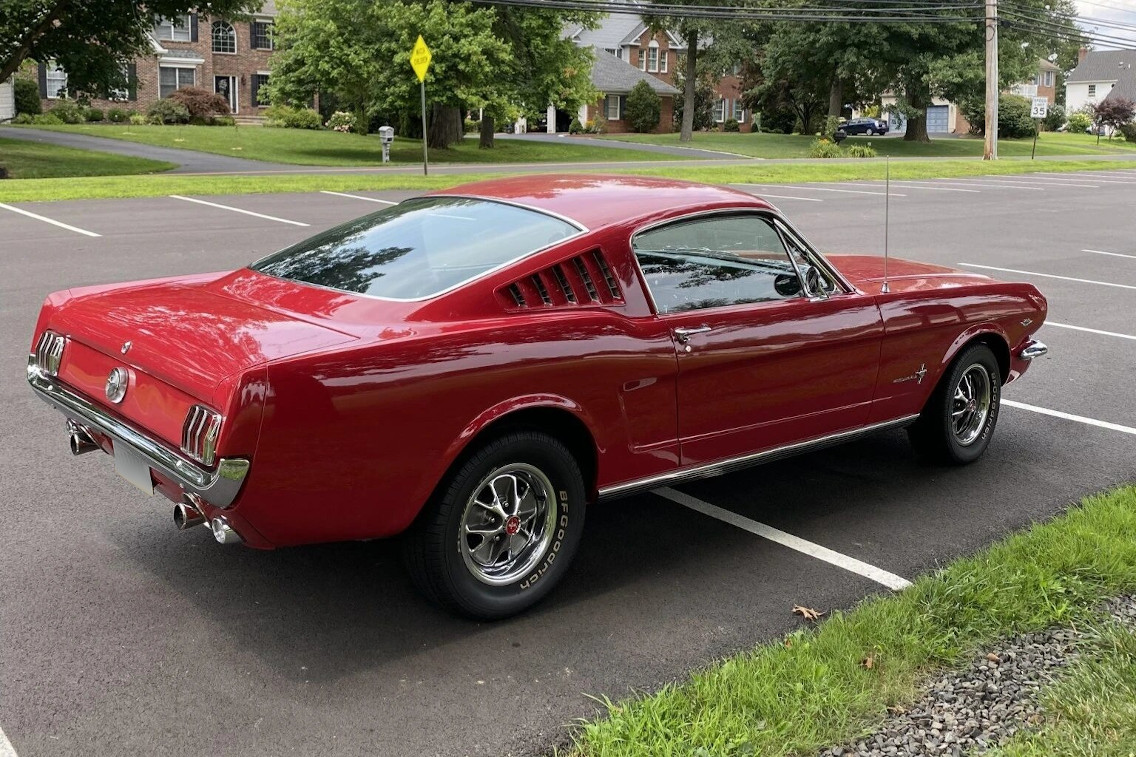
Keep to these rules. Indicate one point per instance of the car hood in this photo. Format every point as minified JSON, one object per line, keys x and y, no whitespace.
{"x":866,"y":272}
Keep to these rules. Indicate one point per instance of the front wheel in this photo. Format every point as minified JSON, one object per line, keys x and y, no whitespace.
{"x":958,"y":422}
{"x":502,"y":530}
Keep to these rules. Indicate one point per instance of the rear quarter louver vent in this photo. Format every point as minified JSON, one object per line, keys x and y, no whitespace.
{"x":586,"y":279}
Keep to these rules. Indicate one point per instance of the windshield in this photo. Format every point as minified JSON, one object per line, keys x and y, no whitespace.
{"x":418,"y":248}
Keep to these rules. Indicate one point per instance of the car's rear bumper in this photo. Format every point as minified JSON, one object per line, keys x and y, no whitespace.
{"x":218,"y":486}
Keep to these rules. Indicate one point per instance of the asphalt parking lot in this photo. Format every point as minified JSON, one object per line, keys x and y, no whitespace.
{"x":120,"y":635}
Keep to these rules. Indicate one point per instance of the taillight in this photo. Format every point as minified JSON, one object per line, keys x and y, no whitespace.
{"x":49,"y":353}
{"x":199,"y":434}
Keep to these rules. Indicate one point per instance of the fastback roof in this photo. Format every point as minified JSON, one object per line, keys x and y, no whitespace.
{"x":597,"y":200}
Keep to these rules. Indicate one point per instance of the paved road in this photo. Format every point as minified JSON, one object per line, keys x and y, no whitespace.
{"x":122,"y":636}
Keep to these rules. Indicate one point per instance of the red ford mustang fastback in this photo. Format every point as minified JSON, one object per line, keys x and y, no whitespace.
{"x":472,"y":368}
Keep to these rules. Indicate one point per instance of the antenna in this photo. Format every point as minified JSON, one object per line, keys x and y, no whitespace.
{"x":887,"y":201}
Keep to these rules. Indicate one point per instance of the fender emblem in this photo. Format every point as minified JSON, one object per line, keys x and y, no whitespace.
{"x":126,"y":346}
{"x":917,"y":377}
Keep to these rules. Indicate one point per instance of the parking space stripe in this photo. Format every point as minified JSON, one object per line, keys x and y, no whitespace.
{"x":238,"y":210}
{"x":910,"y":185}
{"x":53,"y":222}
{"x":1051,"y":182}
{"x":357,"y":197}
{"x":1081,"y":177}
{"x":1091,"y":331}
{"x":995,"y":184}
{"x":1115,"y":254}
{"x":790,"y":197}
{"x":796,"y":543}
{"x":1071,"y":417}
{"x":1049,"y":276}
{"x":6,"y":749}
{"x":823,"y":189}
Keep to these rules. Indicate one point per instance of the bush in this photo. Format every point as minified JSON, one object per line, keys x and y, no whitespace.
{"x":1054,"y":118}
{"x":44,"y":119}
{"x":831,"y":124}
{"x":23,"y":118}
{"x":27,"y":97}
{"x":94,"y":114}
{"x":137,"y":119}
{"x":1014,"y":120}
{"x":344,"y":122}
{"x":69,"y":112}
{"x":1079,"y":121}
{"x":860,"y":151}
{"x":822,"y":148}
{"x":597,"y":125}
{"x":731,"y":125}
{"x":168,"y":111}
{"x":286,"y":117}
{"x":201,"y":103}
{"x":472,"y":126}
{"x":575,"y":127}
{"x":223,"y":121}
{"x":117,"y":115}
{"x":643,"y":107}
{"x":1129,"y":131}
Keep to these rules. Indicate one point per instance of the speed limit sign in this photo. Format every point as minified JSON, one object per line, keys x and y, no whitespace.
{"x":1039,"y":108}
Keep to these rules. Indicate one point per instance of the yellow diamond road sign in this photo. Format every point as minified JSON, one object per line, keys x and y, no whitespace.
{"x":420,"y":58}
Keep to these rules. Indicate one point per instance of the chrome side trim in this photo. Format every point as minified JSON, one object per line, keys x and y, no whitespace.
{"x":1033,"y":349}
{"x":737,"y":463}
{"x":218,"y":487}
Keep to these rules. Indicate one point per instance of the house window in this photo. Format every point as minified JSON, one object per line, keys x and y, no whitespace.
{"x":171,"y":79}
{"x":642,"y":59}
{"x":56,"y":81}
{"x":1049,"y":78}
{"x":611,"y":51}
{"x":224,"y":37}
{"x":720,"y":110}
{"x":653,"y":57}
{"x":260,"y":99}
{"x":262,"y":35}
{"x":611,"y":108}
{"x":119,"y":95}
{"x":1092,"y":90}
{"x":174,"y":29}
{"x":739,"y":111}
{"x":663,"y":55}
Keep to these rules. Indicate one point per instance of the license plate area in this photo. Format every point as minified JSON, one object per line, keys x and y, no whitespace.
{"x":132,"y":466}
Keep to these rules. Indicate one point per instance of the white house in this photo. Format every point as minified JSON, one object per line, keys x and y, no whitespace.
{"x":7,"y":101}
{"x":1101,"y":74}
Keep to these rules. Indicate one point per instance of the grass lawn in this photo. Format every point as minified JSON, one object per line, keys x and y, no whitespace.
{"x":33,"y":160}
{"x":810,"y":690}
{"x":797,"y":146}
{"x":47,"y":190}
{"x":328,"y":148}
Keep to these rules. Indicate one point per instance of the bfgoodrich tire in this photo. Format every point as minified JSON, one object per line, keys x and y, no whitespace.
{"x":958,"y":422}
{"x":502,"y":531}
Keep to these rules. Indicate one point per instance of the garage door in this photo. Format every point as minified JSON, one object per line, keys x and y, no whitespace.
{"x":937,"y":119}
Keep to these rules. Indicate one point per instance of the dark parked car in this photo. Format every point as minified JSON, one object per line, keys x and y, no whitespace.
{"x":864,"y":126}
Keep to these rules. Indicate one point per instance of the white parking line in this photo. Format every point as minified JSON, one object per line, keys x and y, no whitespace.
{"x":53,"y":222}
{"x":357,"y":197}
{"x":824,"y":554}
{"x":6,"y":749}
{"x":995,"y":184}
{"x":1050,"y":182}
{"x":912,"y":185}
{"x":1098,"y":179}
{"x":1071,"y":417}
{"x":1091,"y":331}
{"x":238,"y":210}
{"x":1049,"y":276}
{"x":790,"y":197}
{"x":823,"y":189}
{"x":1116,"y":254}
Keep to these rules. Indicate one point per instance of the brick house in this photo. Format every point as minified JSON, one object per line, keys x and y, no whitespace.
{"x":615,"y":78}
{"x":231,"y":58}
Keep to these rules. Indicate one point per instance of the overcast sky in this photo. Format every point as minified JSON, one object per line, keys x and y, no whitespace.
{"x":1119,"y":11}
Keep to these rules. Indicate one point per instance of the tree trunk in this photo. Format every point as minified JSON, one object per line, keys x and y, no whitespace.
{"x":487,"y":129}
{"x":917,"y":125}
{"x":836,"y":96}
{"x":445,"y":127}
{"x":689,"y":86}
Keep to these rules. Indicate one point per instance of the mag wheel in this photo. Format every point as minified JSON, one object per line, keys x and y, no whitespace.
{"x":501,"y":533}
{"x":958,"y":422}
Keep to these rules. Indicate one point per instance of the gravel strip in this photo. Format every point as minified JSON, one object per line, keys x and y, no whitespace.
{"x":966,"y":712}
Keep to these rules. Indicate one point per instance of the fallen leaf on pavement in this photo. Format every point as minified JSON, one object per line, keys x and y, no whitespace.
{"x":807,"y":613}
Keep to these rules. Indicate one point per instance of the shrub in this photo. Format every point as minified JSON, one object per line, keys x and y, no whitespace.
{"x":831,"y":124}
{"x":575,"y":127}
{"x":27,"y":97}
{"x":731,"y":125}
{"x":860,"y":151}
{"x":471,"y":126}
{"x":168,"y":111}
{"x":23,"y":118}
{"x":201,"y":103}
{"x":822,"y":148}
{"x":1079,"y":121}
{"x":49,"y":119}
{"x":137,"y":119}
{"x":344,"y":122}
{"x":117,"y":115}
{"x":94,"y":114}
{"x":223,"y":121}
{"x":1054,"y":118}
{"x":1014,"y":117}
{"x":286,"y":117}
{"x":597,"y":125}
{"x":69,"y":112}
{"x":643,"y":107}
{"x":1129,"y":131}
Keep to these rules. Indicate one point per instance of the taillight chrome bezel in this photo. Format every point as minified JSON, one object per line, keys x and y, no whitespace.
{"x":49,"y":353}
{"x":199,"y":434}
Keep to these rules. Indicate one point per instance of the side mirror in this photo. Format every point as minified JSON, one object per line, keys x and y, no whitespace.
{"x":787,"y":285}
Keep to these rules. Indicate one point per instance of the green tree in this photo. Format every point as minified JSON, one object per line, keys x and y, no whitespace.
{"x":91,"y":40}
{"x":703,"y":98}
{"x":643,"y":107}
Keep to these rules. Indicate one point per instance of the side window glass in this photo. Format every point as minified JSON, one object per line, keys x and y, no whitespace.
{"x":818,"y":281}
{"x":715,"y":262}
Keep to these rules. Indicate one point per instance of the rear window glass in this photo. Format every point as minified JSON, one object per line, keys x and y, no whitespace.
{"x":418,"y":248}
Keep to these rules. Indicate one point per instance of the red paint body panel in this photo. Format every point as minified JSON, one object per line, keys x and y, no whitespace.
{"x":353,"y":408}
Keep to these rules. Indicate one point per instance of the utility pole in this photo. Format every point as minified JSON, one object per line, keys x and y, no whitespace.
{"x":991,"y":150}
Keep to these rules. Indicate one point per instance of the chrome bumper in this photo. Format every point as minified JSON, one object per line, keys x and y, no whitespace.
{"x":1033,"y":349}
{"x":217,"y":487}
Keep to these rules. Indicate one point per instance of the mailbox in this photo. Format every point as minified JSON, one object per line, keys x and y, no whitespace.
{"x":386,"y":136}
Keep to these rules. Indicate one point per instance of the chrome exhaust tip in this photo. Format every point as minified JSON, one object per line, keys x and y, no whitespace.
{"x":187,"y":516}
{"x":223,"y":533}
{"x":81,"y":442}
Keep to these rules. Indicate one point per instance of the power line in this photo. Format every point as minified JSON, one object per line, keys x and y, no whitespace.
{"x":1025,"y":22}
{"x":1034,"y":13}
{"x":742,"y":13}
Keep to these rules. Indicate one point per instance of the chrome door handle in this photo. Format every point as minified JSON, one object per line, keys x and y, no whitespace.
{"x":683,"y":335}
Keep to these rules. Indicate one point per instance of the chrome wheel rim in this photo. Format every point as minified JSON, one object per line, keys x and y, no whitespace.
{"x":970,"y":405}
{"x":507,"y":524}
